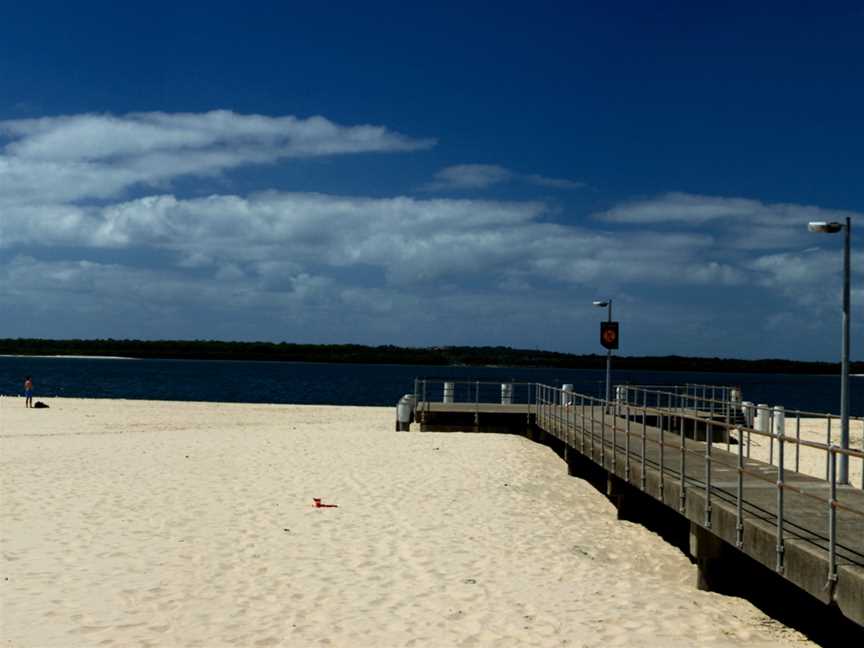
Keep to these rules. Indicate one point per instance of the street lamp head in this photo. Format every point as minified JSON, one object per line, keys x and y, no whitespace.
{"x":600,"y":303}
{"x":822,"y":226}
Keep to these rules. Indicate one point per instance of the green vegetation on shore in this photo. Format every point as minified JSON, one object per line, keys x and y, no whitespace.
{"x":355,"y":353}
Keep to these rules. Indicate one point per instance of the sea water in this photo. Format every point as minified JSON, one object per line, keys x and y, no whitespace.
{"x":364,"y":384}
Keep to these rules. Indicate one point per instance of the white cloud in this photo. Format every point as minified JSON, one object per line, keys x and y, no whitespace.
{"x":553,"y":183}
{"x":79,"y":157}
{"x":739,"y":224}
{"x":682,"y":208}
{"x":101,"y":137}
{"x":809,"y":278}
{"x":695,"y":210}
{"x":469,"y":176}
{"x":410,"y":241}
{"x":464,"y":177}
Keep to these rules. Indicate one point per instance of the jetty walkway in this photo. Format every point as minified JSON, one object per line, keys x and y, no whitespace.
{"x":692,"y":455}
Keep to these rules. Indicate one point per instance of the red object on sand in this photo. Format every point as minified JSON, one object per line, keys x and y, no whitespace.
{"x":319,"y":504}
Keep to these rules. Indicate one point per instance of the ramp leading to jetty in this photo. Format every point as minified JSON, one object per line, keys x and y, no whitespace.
{"x":694,"y":459}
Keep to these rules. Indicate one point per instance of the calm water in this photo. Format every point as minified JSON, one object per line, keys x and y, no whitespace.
{"x":341,"y":384}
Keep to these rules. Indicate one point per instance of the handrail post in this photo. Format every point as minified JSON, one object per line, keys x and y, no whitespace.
{"x":558,"y":398}
{"x":709,"y":432}
{"x":627,"y":443}
{"x":828,"y":458}
{"x":538,"y":399}
{"x":662,"y":453}
{"x":797,"y":440}
{"x":603,"y":434}
{"x":615,"y":437}
{"x":739,"y":508}
{"x":749,"y":435}
{"x":728,"y":419}
{"x":682,"y":506}
{"x":832,"y":517}
{"x":541,"y":402}
{"x":642,"y":459}
{"x":582,"y":428}
{"x":771,"y":437}
{"x":780,"y":480}
{"x":562,"y":412}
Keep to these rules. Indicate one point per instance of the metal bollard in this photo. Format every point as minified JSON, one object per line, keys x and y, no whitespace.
{"x":778,"y":427}
{"x":403,"y":413}
{"x":748,"y":410}
{"x":449,"y":390}
{"x":762,"y":422}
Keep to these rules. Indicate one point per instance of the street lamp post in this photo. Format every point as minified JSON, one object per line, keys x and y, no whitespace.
{"x":833,"y":228}
{"x":607,"y":303}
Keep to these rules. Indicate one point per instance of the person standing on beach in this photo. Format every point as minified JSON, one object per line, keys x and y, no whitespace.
{"x":28,"y":392}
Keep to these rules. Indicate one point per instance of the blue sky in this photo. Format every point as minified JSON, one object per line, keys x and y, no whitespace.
{"x":471,"y":173}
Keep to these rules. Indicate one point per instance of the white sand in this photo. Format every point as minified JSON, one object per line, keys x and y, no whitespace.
{"x":132,"y":523}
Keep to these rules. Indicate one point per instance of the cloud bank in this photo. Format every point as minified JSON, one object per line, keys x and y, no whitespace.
{"x":410,"y":240}
{"x":94,"y":242}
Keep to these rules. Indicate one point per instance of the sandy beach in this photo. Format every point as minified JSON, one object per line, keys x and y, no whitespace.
{"x":135,"y":523}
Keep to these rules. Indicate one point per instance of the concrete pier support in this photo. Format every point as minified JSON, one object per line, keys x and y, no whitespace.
{"x":571,"y":457}
{"x":623,"y":496}
{"x":708,"y":550}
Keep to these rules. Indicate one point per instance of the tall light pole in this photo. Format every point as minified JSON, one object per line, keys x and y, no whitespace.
{"x":607,"y":303}
{"x":833,"y":228}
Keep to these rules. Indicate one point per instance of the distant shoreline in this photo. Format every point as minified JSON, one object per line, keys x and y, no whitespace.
{"x":61,"y":355}
{"x":433,"y":356}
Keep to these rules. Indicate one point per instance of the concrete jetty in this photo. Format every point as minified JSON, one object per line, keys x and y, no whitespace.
{"x":809,"y":531}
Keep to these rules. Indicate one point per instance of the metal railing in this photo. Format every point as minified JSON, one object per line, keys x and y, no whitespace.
{"x":444,"y":390}
{"x":724,"y":404}
{"x":616,"y":421}
{"x":710,"y":400}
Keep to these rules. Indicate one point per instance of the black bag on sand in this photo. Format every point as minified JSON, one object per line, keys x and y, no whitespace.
{"x":39,"y":405}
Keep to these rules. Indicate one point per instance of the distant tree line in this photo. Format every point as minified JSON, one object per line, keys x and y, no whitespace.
{"x":388,"y":354}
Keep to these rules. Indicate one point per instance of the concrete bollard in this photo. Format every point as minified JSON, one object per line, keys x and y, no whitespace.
{"x":411,"y":399}
{"x":763,"y":417}
{"x":778,"y":428}
{"x":779,"y":420}
{"x":449,"y":390}
{"x":567,"y":394}
{"x":403,"y":413}
{"x":506,"y":393}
